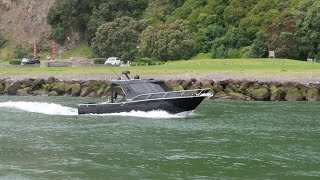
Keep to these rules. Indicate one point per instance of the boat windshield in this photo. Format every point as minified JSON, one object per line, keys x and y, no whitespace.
{"x":144,"y":88}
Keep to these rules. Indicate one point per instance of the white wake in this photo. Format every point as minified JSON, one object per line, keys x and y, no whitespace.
{"x":150,"y":114}
{"x":41,"y":108}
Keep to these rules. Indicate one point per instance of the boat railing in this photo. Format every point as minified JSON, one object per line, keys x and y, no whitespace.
{"x":191,"y":92}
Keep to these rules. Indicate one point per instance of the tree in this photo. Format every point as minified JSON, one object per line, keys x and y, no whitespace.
{"x":206,"y":39}
{"x":311,"y":27}
{"x":282,"y":37}
{"x":260,"y":16}
{"x":236,"y":11}
{"x":259,"y":48}
{"x":236,"y":38}
{"x":68,"y":17}
{"x":109,"y":10}
{"x":81,"y":18}
{"x":165,"y":41}
{"x":159,"y":10}
{"x":118,"y":38}
{"x":219,"y":49}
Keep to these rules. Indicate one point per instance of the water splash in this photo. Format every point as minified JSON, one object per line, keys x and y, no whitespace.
{"x":41,"y":108}
{"x":150,"y":114}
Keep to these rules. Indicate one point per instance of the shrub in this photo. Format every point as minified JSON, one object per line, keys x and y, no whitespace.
{"x":15,"y":61}
{"x":99,"y":60}
{"x":234,"y":53}
{"x":21,"y":52}
{"x":143,"y":61}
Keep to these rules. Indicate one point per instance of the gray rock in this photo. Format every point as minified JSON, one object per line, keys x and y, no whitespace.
{"x":221,"y":95}
{"x":40,"y":92}
{"x":237,"y":96}
{"x":86,"y":91}
{"x":12,"y":88}
{"x":24,"y":92}
{"x":75,"y":90}
{"x":59,"y":87}
{"x":261,"y":94}
{"x":53,"y":93}
{"x":51,"y":80}
{"x":313,"y":95}
{"x":217,"y":88}
{"x":294,"y":94}
{"x":277,"y":94}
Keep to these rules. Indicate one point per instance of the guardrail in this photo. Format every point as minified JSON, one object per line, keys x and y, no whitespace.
{"x":192,"y":92}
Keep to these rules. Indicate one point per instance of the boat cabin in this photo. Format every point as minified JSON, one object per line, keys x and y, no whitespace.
{"x":136,"y":87}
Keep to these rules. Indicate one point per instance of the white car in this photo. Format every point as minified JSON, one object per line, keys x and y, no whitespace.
{"x":115,"y":61}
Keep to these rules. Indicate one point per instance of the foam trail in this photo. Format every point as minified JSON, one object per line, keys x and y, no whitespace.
{"x":150,"y":114}
{"x":40,"y":107}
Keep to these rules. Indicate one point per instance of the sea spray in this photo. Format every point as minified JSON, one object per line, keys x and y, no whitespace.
{"x":40,"y":107}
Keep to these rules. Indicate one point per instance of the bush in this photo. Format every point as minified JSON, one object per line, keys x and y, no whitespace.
{"x":143,"y":61}
{"x":99,"y":60}
{"x":146,"y":60}
{"x":234,"y":53}
{"x":21,"y":52}
{"x":15,"y":61}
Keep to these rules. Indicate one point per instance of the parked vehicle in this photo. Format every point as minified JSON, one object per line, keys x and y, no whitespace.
{"x":25,"y":61}
{"x":114,"y":61}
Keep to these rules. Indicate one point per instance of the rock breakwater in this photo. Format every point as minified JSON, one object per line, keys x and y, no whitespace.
{"x":240,"y":90}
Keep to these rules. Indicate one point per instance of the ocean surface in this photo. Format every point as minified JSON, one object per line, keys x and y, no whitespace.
{"x":44,"y":138}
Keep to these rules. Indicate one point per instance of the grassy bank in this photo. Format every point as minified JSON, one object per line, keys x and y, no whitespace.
{"x":254,"y":67}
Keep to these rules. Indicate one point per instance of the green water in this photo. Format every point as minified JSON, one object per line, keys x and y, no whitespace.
{"x":43,"y":138}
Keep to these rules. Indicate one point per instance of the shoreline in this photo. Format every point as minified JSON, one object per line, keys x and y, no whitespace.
{"x":221,"y":86}
{"x":220,"y":76}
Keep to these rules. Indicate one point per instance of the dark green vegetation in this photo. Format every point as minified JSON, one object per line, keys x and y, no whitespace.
{"x":170,"y":29}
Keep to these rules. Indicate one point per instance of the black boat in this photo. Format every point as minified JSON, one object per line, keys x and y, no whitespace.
{"x":145,"y":95}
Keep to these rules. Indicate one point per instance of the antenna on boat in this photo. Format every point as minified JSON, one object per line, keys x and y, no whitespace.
{"x":126,"y":73}
{"x":115,"y":73}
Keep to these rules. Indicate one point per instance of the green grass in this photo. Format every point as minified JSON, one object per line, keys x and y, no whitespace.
{"x":83,"y":50}
{"x":251,"y":67}
{"x":202,"y":56}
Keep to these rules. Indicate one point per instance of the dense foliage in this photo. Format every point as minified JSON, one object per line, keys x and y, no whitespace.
{"x":118,"y":38}
{"x":165,"y":41}
{"x":15,"y":61}
{"x":21,"y":52}
{"x":177,"y":29}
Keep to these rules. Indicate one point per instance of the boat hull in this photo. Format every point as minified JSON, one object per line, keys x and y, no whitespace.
{"x":170,"y":105}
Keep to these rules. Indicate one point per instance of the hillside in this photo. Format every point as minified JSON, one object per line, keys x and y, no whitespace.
{"x":22,"y":22}
{"x":168,"y":29}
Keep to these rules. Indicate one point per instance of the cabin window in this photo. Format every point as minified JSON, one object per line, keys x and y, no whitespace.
{"x":142,"y":88}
